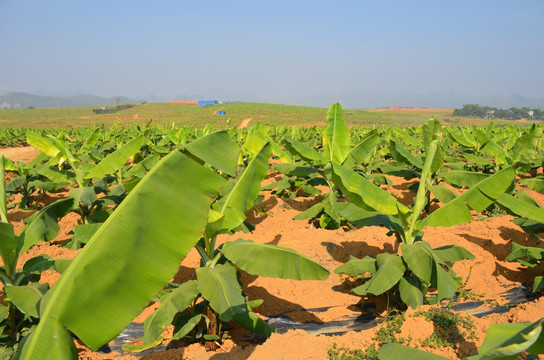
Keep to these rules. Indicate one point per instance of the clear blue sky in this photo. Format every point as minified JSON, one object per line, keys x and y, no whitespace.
{"x":273,"y":51}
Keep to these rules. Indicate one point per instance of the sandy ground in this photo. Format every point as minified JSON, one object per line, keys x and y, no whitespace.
{"x":244,"y":123}
{"x":330,"y":300}
{"x":25,"y":153}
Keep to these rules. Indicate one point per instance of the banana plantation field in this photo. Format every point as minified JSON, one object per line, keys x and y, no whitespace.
{"x":170,"y":241}
{"x":200,"y":116}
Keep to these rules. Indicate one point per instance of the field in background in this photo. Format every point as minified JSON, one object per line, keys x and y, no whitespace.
{"x":200,"y":116}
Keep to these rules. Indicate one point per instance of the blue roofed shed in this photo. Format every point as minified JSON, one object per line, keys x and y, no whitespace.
{"x":207,"y":102}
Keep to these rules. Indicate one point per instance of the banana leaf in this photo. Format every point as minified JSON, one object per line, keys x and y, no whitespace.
{"x":479,"y":197}
{"x":460,"y":178}
{"x":128,"y":260}
{"x":410,"y":291}
{"x":390,"y":269}
{"x":27,"y":297}
{"x":43,"y":226}
{"x":360,"y":153}
{"x":399,"y":153}
{"x":305,"y":152}
{"x":240,"y":199}
{"x":507,"y":341}
{"x":256,"y":139}
{"x":171,"y":304}
{"x":521,"y":208}
{"x":526,"y":146}
{"x":362,"y":192}
{"x":536,"y":184}
{"x":219,"y":285}
{"x":273,"y":261}
{"x":42,"y":144}
{"x":91,"y":140}
{"x":216,"y":149}
{"x":115,"y":161}
{"x":355,"y":267}
{"x":336,"y":139}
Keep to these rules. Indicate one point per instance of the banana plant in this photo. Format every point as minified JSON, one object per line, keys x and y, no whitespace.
{"x":502,"y":341}
{"x":530,"y":213}
{"x":486,"y":151}
{"x":29,"y":180}
{"x":22,"y":292}
{"x":529,"y":256}
{"x":531,"y":220}
{"x":198,"y":308}
{"x":338,"y":149}
{"x":90,"y":179}
{"x":127,"y":261}
{"x":416,"y":267}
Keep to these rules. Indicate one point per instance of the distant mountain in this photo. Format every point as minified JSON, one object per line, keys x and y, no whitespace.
{"x":14,"y":100}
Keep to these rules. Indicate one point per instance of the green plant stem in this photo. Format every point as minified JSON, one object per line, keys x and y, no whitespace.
{"x":6,"y":278}
{"x":210,"y":246}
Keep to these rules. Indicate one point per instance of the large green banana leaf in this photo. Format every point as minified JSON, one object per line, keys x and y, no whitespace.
{"x":133,"y":254}
{"x":91,"y":140}
{"x":460,"y":139}
{"x":336,"y":139}
{"x":117,"y":159}
{"x":219,"y":285}
{"x":43,"y":226}
{"x":497,"y":152}
{"x":507,"y":341}
{"x":363,"y":192}
{"x":526,"y":146}
{"x":256,"y":139}
{"x":461,"y":178}
{"x":390,"y":269}
{"x":273,"y":261}
{"x":399,"y":153}
{"x":27,"y":297}
{"x":171,"y":304}
{"x":217,"y":149}
{"x":521,"y":208}
{"x":305,"y":152}
{"x":359,"y":154}
{"x":8,"y":246}
{"x":536,"y":184}
{"x":432,"y":130}
{"x":479,"y":197}
{"x":356,"y":267}
{"x":42,"y":144}
{"x":240,"y":198}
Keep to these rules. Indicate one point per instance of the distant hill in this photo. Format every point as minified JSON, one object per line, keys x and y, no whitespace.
{"x":374,"y":99}
{"x":20,"y":100}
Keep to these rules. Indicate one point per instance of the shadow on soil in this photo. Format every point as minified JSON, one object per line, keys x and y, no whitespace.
{"x":359,"y":249}
{"x":301,"y":204}
{"x":500,"y":251}
{"x":261,"y":211}
{"x":271,"y":302}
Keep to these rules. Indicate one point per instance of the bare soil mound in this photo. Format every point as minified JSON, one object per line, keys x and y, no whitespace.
{"x":24,"y":154}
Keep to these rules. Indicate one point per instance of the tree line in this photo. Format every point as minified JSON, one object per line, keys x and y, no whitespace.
{"x":487,"y":112}
{"x":112,"y":109}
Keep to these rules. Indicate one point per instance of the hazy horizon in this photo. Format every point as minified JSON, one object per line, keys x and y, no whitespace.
{"x":298,"y":52}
